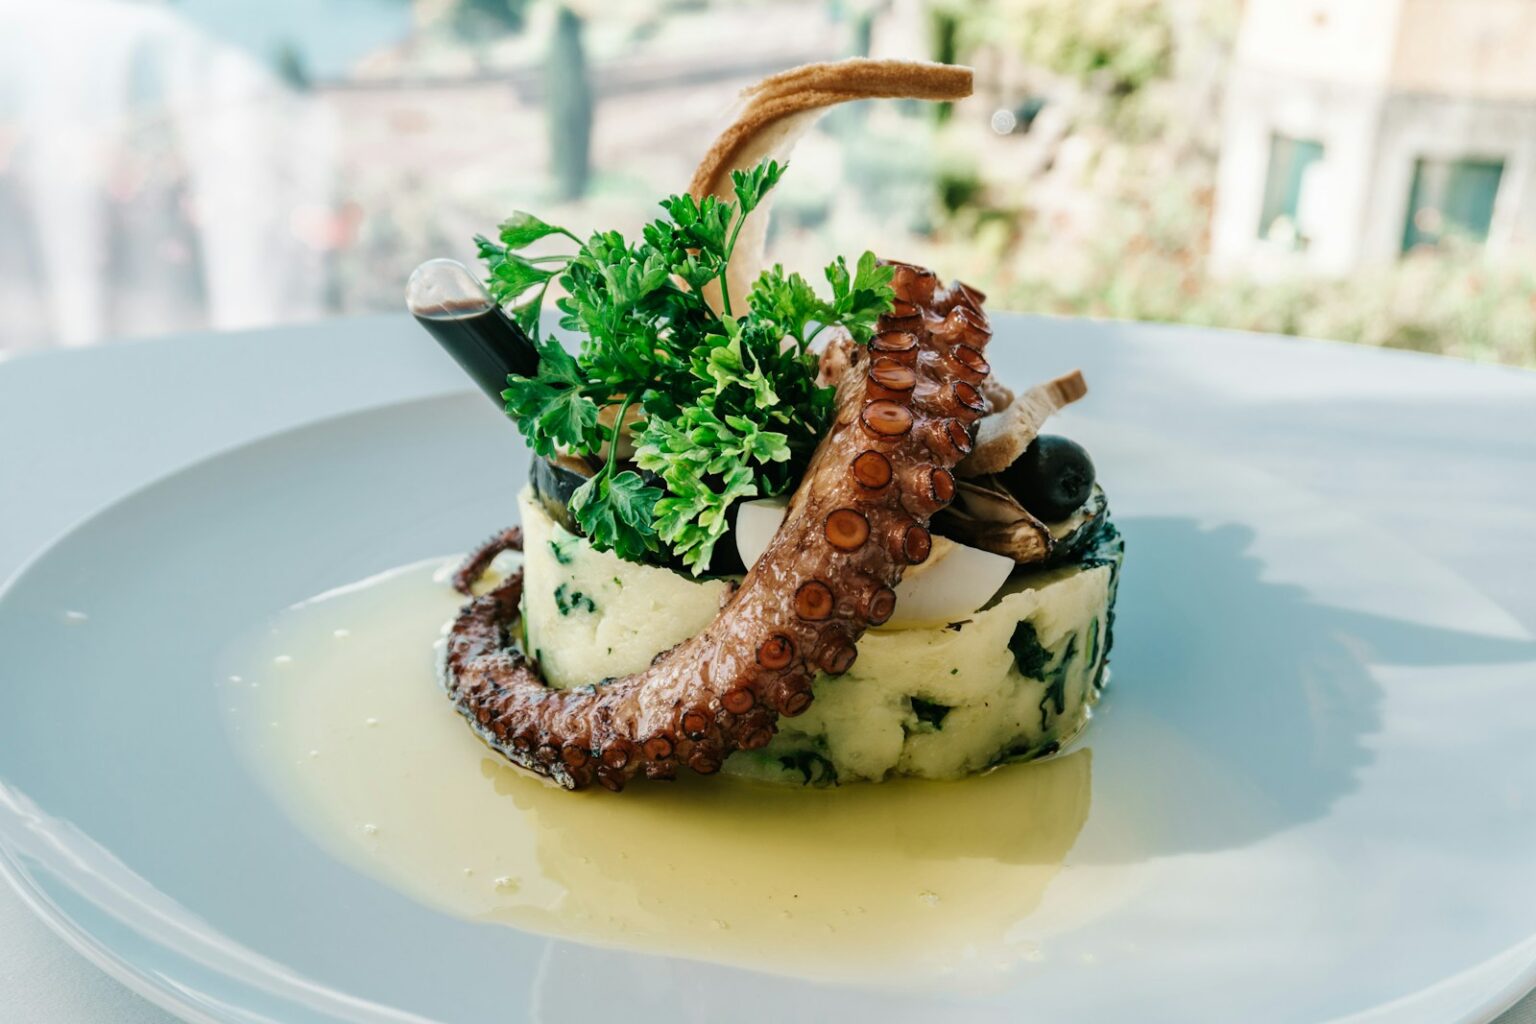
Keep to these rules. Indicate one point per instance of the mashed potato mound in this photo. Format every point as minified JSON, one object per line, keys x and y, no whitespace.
{"x":1015,"y":681}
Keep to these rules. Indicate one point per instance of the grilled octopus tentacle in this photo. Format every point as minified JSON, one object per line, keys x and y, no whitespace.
{"x":906,"y":413}
{"x":479,"y":560}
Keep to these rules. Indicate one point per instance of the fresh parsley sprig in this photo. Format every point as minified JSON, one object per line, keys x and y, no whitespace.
{"x":730,"y":408}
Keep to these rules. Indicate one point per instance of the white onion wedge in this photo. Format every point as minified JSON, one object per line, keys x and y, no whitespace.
{"x":951,"y":585}
{"x":756,"y":523}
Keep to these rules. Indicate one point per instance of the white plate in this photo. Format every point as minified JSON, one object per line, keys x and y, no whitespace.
{"x":1311,"y":781}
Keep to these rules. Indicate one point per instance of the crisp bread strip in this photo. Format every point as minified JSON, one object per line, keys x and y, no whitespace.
{"x":1003,"y":435}
{"x":781,"y":108}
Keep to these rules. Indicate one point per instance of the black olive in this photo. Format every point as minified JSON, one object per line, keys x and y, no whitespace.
{"x":1052,"y":478}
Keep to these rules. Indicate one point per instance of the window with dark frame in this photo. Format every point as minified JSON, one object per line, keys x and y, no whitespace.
{"x":1290,"y":162}
{"x":1451,"y":199}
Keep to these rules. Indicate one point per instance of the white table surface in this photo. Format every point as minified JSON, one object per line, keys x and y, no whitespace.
{"x":1485,"y":413}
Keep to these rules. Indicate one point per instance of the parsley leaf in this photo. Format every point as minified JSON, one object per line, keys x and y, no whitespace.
{"x":523,"y":229}
{"x":704,"y":225}
{"x":752,"y":185}
{"x":788,"y":301}
{"x":858,"y":299}
{"x":550,"y":409}
{"x":616,"y":513}
{"x":512,"y":275}
{"x":858,"y":303}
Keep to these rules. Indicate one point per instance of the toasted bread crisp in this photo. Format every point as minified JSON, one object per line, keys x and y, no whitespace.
{"x":777,"y":111}
{"x":1003,"y":435}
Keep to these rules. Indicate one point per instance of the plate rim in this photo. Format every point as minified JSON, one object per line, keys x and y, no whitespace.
{"x":33,"y":896}
{"x":96,"y":953}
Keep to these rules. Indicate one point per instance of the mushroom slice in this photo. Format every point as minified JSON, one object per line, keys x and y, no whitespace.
{"x":777,"y":111}
{"x":999,"y":395}
{"x":1002,"y":436}
{"x":986,"y":516}
{"x":574,"y":463}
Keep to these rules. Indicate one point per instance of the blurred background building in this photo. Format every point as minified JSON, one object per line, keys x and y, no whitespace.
{"x":1357,"y":132}
{"x":1353,"y":169}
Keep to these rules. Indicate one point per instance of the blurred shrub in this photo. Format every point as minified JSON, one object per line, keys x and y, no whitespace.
{"x":1120,"y":45}
{"x":1113,"y":217}
{"x":1451,"y":301}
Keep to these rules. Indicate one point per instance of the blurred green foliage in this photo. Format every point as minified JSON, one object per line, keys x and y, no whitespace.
{"x":1147,"y":264}
{"x":1119,"y":44}
{"x":1134,"y":244}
